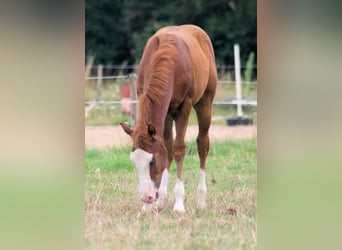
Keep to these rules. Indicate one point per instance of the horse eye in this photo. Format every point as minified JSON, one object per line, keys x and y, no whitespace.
{"x":153,"y":161}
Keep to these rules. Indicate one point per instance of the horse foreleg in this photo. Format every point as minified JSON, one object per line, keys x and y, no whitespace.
{"x":179,"y":153}
{"x":162,"y":193}
{"x":168,"y":141}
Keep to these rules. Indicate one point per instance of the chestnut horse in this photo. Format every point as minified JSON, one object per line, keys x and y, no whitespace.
{"x":177,"y":72}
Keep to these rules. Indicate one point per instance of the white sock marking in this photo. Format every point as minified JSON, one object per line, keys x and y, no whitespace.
{"x":201,"y":190}
{"x":162,"y":192}
{"x":179,"y":196}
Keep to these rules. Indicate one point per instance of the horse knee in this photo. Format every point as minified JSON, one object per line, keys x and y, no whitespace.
{"x":178,"y":152}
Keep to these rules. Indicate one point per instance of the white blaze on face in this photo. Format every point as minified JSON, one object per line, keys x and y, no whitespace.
{"x":141,"y":160}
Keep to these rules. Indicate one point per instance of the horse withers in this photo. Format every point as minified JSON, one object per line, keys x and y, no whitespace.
{"x":177,"y":72}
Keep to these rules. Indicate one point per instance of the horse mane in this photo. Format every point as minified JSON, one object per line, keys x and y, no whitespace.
{"x":156,"y":87}
{"x":162,"y":66}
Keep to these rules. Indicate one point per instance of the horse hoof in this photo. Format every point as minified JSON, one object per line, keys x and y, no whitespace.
{"x":179,"y":208}
{"x":179,"y":211}
{"x":146,"y":208}
{"x":161,"y":199}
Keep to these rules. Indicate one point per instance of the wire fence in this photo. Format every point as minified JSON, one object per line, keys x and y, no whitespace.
{"x":129,"y":100}
{"x":122,"y":71}
{"x":98,"y":100}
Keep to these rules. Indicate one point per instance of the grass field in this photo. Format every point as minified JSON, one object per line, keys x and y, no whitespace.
{"x":113,"y":212}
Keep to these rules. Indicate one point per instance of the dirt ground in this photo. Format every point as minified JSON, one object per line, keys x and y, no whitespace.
{"x":114,"y":136}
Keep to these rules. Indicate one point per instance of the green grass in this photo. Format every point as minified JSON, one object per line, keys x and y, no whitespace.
{"x":113,"y":211}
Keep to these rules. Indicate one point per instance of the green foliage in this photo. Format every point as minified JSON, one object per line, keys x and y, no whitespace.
{"x":249,"y":71}
{"x":249,"y":68}
{"x":117,"y":31}
{"x":105,"y":37}
{"x":109,"y":159}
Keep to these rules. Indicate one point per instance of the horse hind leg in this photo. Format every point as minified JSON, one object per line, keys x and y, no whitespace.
{"x":203,"y":110}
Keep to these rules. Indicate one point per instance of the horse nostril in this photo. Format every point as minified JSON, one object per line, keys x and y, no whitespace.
{"x":157,"y":195}
{"x":150,"y":199}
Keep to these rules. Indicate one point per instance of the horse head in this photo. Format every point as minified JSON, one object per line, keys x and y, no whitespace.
{"x":149,"y":156}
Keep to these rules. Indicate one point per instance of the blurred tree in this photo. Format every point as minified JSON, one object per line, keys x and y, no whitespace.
{"x":105,"y":37}
{"x":117,"y":31}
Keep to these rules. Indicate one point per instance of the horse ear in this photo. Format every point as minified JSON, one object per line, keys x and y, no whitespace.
{"x":127,"y":129}
{"x":151,"y":130}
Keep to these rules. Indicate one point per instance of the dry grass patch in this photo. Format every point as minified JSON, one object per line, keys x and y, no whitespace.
{"x":113,"y":212}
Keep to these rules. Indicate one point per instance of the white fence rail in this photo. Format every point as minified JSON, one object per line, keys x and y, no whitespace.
{"x":232,"y":102}
{"x":107,"y":77}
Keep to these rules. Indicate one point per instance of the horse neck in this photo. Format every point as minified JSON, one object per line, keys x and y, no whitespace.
{"x":153,"y":112}
{"x":158,"y":89}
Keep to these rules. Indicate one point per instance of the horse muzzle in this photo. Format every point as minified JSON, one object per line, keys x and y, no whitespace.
{"x":149,"y":198}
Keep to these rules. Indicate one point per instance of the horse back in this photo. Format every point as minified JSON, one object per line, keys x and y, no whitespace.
{"x":195,"y":61}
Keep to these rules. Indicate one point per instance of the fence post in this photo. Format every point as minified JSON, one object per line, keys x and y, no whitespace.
{"x":133,"y":81}
{"x":238,"y":78}
{"x":88,"y":66}
{"x":99,"y":82}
